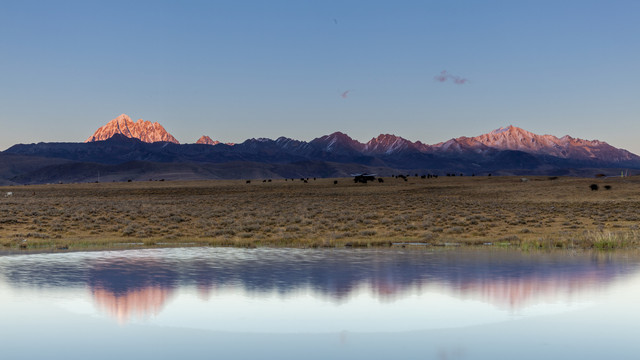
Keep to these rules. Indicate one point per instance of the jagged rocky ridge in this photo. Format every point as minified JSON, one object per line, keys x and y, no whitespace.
{"x":207,"y":141}
{"x":507,"y":138}
{"x":508,"y":150}
{"x":143,"y":130}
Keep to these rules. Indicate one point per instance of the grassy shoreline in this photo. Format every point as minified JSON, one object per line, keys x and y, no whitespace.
{"x":598,"y":241}
{"x":540,"y":213}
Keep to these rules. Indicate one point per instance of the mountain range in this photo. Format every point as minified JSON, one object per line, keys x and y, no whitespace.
{"x":123,"y":149}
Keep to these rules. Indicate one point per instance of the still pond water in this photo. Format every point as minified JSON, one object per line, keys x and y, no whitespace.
{"x":218,"y":303}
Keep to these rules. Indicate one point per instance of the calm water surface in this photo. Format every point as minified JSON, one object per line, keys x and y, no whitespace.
{"x":217,"y":303}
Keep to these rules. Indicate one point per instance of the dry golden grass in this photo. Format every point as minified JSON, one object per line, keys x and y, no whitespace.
{"x":502,"y":211}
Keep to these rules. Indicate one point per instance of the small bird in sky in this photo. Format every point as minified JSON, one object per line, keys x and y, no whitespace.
{"x":344,"y":94}
{"x":335,"y":21}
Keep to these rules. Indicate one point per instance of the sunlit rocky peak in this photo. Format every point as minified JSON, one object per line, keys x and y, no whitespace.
{"x":142,"y":130}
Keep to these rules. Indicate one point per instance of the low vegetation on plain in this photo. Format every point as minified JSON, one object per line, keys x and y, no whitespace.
{"x":541,"y":212}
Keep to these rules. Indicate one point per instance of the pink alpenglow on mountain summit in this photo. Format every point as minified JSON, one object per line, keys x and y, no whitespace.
{"x":207,"y":141}
{"x":145,"y":131}
{"x":509,"y":138}
{"x":515,"y":138}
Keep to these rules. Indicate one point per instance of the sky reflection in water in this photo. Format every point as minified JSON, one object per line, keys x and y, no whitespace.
{"x":442,"y":304}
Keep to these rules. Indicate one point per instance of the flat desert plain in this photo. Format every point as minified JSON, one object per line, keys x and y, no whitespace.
{"x":532,"y":212}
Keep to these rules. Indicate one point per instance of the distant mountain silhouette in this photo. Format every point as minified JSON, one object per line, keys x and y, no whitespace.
{"x":134,"y":154}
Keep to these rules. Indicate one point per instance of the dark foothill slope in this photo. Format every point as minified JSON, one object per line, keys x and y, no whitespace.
{"x":507,"y":150}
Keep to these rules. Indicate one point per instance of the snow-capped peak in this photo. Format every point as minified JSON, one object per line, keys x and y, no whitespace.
{"x":387,"y":144}
{"x":515,"y":138}
{"x":337,"y":140}
{"x":501,"y":130}
{"x":207,"y":141}
{"x":143,"y":130}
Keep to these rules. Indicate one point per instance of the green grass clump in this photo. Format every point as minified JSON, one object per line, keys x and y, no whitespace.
{"x":609,"y":240}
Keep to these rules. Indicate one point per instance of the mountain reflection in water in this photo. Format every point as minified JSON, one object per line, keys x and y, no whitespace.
{"x":140,"y":283}
{"x":136,"y":302}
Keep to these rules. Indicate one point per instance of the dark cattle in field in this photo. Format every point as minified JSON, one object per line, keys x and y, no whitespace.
{"x":335,"y":182}
{"x":363,"y":178}
{"x":380,"y":180}
{"x":607,"y":187}
{"x":248,"y":182}
{"x":593,"y":187}
{"x":423,"y":177}
{"x":264,"y":180}
{"x":305,"y":181}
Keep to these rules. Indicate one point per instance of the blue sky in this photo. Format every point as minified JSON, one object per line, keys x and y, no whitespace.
{"x":240,"y":69}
